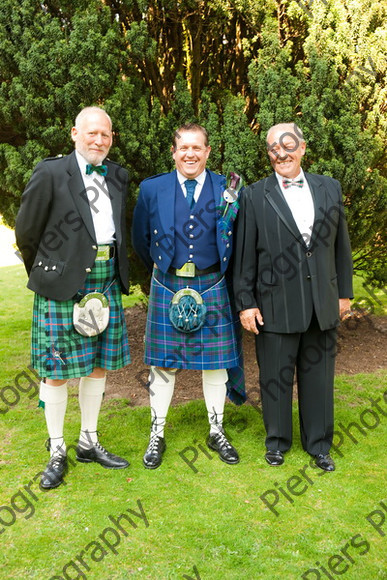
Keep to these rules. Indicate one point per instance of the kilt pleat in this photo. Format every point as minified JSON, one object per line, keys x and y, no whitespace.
{"x":59,"y":352}
{"x":214,"y":346}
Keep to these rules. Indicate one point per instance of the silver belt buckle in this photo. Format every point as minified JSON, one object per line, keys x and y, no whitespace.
{"x":103,"y":253}
{"x":187,"y":270}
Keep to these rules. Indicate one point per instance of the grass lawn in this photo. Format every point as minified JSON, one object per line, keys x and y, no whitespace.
{"x":194,"y":517}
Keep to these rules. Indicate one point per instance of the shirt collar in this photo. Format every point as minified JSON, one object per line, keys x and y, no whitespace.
{"x":200,"y":178}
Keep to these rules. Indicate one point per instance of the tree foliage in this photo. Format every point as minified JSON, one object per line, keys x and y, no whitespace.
{"x":236,"y":66}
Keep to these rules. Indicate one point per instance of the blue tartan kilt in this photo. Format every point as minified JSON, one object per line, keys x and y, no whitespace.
{"x":59,"y":352}
{"x":213,"y":346}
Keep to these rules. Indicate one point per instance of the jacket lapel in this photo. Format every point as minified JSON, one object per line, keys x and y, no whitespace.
{"x":115,"y":195}
{"x":320,"y":203}
{"x":218,"y":183}
{"x":78,"y":192}
{"x":166,"y":193}
{"x":276,"y":199}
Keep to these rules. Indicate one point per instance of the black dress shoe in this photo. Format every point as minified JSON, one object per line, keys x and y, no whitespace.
{"x":218,"y":442}
{"x":98,"y":454}
{"x":53,"y":474}
{"x":274,"y":457}
{"x":154,"y":453}
{"x":325,"y":462}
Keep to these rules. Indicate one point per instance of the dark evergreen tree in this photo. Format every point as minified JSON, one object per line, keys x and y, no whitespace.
{"x":235,"y":66}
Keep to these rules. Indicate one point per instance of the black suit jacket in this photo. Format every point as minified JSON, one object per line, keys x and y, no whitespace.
{"x":277,"y":272}
{"x":54,"y":226}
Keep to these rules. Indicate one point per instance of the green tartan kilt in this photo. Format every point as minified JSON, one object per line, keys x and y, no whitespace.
{"x":59,"y":352}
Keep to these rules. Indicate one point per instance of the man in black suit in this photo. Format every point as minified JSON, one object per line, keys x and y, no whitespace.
{"x":292,"y":283}
{"x":70,"y":230}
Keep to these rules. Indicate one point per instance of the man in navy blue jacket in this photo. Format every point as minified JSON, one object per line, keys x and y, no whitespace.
{"x":182,"y":231}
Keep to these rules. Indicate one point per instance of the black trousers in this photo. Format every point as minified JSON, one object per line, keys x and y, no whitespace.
{"x":311,"y":355}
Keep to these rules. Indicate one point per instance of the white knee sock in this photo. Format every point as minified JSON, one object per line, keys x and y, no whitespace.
{"x":55,"y":404}
{"x":214,"y":390}
{"x":90,"y":398}
{"x":161,"y":387}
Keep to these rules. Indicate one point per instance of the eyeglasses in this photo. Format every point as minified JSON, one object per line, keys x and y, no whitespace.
{"x":195,"y":149}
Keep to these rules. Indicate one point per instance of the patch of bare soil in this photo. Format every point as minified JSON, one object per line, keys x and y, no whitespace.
{"x":361,"y":349}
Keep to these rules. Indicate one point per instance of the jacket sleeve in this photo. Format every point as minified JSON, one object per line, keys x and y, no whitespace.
{"x":343,"y":254}
{"x":33,"y":214}
{"x":245,"y":262}
{"x":141,"y":238}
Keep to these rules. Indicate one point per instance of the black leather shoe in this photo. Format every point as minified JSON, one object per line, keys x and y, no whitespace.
{"x":98,"y":454}
{"x":218,"y":442}
{"x":274,"y":457}
{"x":154,"y":453}
{"x":325,"y":462}
{"x":53,"y":474}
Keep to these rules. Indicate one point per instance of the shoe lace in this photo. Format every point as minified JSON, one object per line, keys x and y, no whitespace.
{"x":58,"y":451}
{"x":153,"y":443}
{"x":223,"y":441}
{"x":101,"y":448}
{"x":55,"y":461}
{"x":90,"y":443}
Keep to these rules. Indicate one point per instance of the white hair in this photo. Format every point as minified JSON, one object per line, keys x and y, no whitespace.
{"x":89,"y":111}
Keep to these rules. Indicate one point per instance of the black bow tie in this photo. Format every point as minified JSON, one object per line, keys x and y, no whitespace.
{"x":101,"y":169}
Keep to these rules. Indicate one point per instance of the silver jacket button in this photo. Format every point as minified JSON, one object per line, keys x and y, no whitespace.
{"x":88,"y":270}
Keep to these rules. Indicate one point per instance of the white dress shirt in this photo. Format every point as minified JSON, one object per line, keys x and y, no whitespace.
{"x":100,"y":204}
{"x":199,"y":186}
{"x":300,"y":202}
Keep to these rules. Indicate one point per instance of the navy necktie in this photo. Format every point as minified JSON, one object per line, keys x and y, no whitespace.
{"x":190,"y":185}
{"x":101,"y":169}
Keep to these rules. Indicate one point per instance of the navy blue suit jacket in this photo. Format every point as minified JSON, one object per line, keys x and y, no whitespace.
{"x":153,"y":230}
